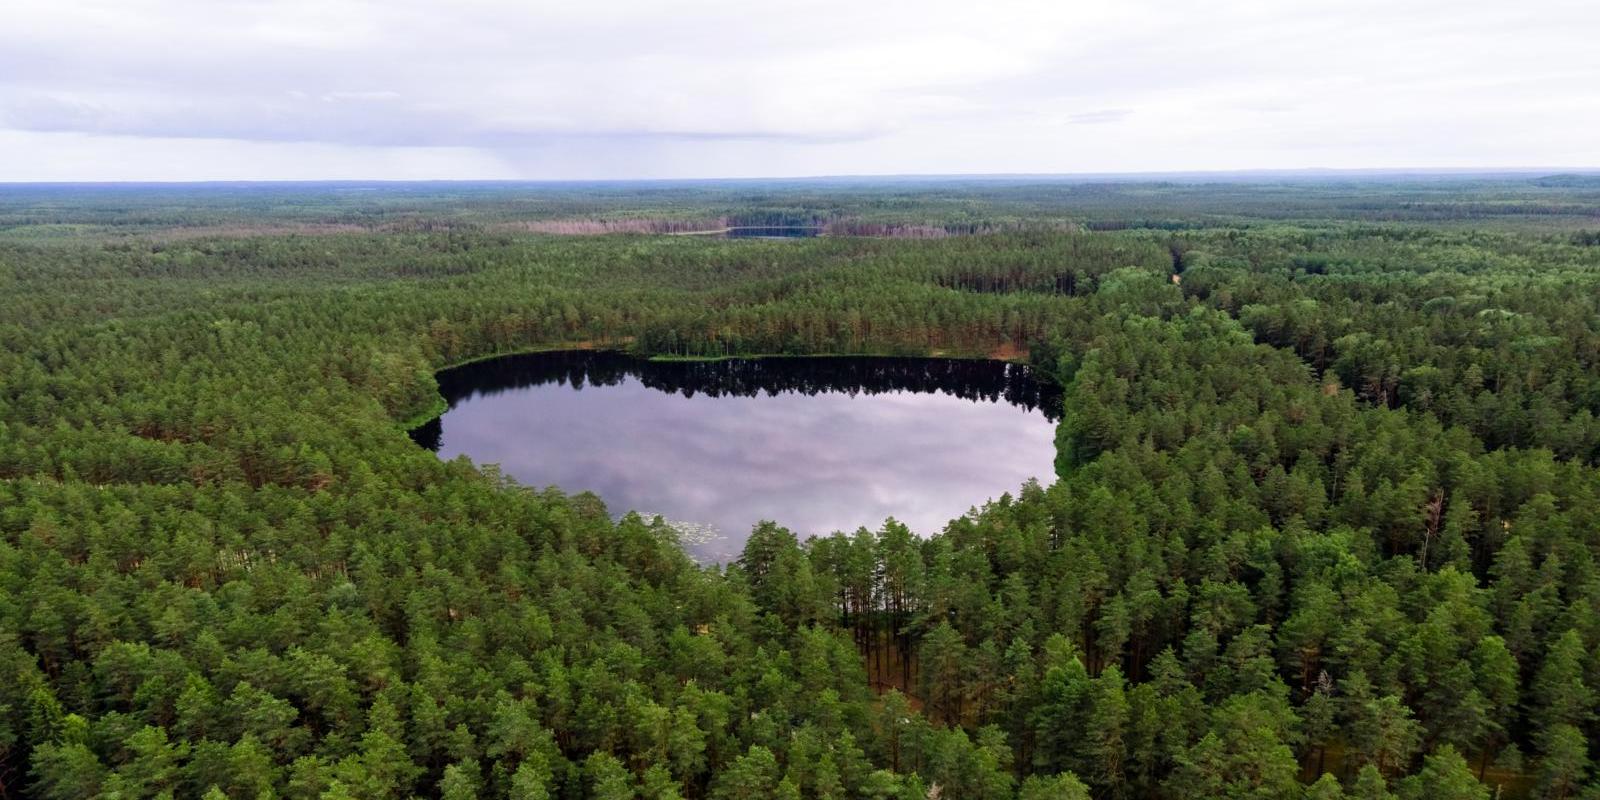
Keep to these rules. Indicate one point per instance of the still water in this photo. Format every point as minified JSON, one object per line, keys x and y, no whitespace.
{"x":816,"y":444}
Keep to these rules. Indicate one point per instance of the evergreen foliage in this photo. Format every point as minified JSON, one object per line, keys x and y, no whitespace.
{"x":1325,"y":525}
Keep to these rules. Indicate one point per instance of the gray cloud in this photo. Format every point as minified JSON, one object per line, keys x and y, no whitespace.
{"x":503,"y":88}
{"x":1099,"y":117}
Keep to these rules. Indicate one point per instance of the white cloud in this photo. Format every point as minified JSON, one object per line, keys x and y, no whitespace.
{"x":542,"y":89}
{"x":28,"y":156}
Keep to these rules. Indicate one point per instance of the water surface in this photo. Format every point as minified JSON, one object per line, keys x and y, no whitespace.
{"x":816,"y":444}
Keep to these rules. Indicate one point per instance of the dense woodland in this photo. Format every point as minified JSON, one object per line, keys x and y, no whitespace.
{"x":1326,"y":520}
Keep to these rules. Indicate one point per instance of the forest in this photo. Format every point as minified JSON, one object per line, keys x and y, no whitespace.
{"x":1325,"y":521}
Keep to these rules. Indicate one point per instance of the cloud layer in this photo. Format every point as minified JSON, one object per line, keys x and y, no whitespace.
{"x":187,"y":89}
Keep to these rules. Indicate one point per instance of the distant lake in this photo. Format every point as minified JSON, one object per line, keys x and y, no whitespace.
{"x":815,"y":444}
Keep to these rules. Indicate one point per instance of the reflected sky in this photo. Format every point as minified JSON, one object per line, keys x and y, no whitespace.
{"x":815,"y":463}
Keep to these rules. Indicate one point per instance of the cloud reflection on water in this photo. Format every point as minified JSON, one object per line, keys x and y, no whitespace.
{"x":814,"y":463}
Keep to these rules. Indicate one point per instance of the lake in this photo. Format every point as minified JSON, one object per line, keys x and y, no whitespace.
{"x":815,"y":444}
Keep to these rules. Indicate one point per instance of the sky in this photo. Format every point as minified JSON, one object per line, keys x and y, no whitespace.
{"x":619,"y":89}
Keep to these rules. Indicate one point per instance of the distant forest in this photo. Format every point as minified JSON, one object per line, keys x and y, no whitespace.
{"x":1325,"y":523}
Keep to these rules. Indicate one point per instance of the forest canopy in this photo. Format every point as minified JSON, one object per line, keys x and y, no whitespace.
{"x":1325,"y":520}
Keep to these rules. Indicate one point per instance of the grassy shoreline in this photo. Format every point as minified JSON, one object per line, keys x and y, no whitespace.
{"x":438,"y":405}
{"x":432,"y":412}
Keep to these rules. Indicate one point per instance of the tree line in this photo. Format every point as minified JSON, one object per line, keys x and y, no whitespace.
{"x":1324,"y":523}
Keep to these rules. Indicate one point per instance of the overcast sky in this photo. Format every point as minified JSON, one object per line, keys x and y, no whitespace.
{"x":554,"y":89}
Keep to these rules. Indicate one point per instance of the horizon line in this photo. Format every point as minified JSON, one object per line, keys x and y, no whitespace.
{"x":1133,"y":175}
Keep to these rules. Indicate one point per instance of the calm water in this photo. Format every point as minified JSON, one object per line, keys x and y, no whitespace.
{"x":816,"y":444}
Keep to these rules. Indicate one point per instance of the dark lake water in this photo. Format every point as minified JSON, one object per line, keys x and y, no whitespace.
{"x":773,"y":232}
{"x":815,"y":444}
